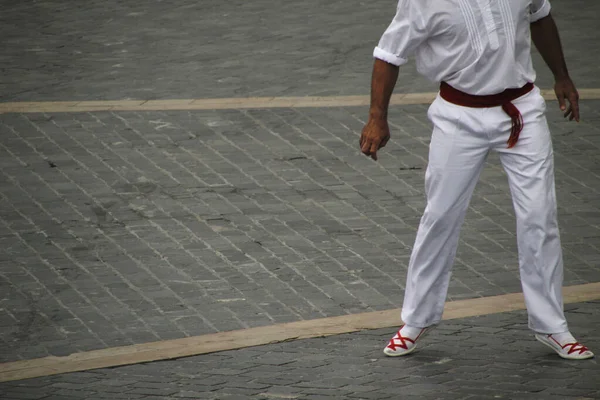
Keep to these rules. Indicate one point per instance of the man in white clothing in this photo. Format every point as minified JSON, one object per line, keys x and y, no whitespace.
{"x":480,"y":52}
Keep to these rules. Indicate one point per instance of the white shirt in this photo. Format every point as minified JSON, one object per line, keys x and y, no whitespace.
{"x":477,"y":46}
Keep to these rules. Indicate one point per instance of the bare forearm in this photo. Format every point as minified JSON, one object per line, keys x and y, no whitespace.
{"x":545,"y":37}
{"x":383,"y":82}
{"x":544,"y":34}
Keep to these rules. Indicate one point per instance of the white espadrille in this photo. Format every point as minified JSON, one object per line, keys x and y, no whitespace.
{"x":566,"y":346}
{"x":404,"y":341}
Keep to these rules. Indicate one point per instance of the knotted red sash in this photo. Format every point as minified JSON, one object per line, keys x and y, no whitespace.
{"x":503,"y":100}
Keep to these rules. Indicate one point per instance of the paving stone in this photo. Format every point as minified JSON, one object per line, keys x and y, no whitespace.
{"x":188,"y":395}
{"x":23,"y":394}
{"x":152,"y":391}
{"x":67,"y":393}
{"x":372,"y":395}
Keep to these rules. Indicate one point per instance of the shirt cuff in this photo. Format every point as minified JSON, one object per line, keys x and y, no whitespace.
{"x":542,"y":12}
{"x":388,"y":57}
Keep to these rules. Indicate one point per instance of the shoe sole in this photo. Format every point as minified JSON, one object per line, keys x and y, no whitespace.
{"x":565,"y":356}
{"x":407,"y":352}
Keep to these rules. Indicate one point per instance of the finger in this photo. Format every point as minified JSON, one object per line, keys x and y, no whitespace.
{"x":574,"y":100}
{"x":566,"y":113}
{"x":569,"y":113}
{"x":561,"y":100}
{"x":374,"y":148}
{"x":366,"y":147}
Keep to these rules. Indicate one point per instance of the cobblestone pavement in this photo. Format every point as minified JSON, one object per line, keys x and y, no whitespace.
{"x":461,"y":359}
{"x":61,"y":50}
{"x":122,"y":228}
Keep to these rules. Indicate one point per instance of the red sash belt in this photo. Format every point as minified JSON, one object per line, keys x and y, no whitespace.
{"x":503,"y":100}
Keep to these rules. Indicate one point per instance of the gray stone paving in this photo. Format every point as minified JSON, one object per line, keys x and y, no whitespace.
{"x":60,"y":50}
{"x":460,"y":359}
{"x":121,"y":228}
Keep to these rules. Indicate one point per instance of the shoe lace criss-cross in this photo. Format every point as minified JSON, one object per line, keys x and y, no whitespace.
{"x":400,"y":345}
{"x":573,"y":350}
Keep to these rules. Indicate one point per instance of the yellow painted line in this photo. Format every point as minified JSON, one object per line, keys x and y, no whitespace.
{"x":233,"y":103}
{"x":171,"y":349}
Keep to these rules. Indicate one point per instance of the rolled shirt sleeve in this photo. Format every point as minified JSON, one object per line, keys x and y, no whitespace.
{"x":405,"y":33}
{"x":539,"y":10}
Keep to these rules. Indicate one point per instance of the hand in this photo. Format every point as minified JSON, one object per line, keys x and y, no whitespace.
{"x":375,"y":135}
{"x":565,"y":90}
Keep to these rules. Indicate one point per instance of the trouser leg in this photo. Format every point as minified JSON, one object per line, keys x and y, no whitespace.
{"x":530,"y":170}
{"x":456,"y":156}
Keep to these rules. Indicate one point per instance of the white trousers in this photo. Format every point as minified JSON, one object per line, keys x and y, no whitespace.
{"x":461,"y":140}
